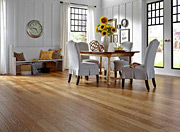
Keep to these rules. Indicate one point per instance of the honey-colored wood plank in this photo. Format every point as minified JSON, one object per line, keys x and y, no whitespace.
{"x":48,"y":103}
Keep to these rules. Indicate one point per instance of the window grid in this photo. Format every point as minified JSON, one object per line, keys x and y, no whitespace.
{"x":176,"y":11}
{"x":155,"y":13}
{"x":78,"y":19}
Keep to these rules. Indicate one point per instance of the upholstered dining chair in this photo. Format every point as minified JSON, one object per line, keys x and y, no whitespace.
{"x":84,"y":47}
{"x":76,"y":67}
{"x":116,"y":65}
{"x":144,"y":71}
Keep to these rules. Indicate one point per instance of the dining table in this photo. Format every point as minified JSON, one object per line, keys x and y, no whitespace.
{"x":108,"y":55}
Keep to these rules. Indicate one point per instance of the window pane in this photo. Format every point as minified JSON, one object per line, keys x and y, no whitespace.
{"x":161,"y":20}
{"x":80,"y":28}
{"x":72,"y":27}
{"x":153,"y":13}
{"x":149,"y":7}
{"x":84,"y":17}
{"x":174,"y":10}
{"x":72,"y":22}
{"x":76,"y":16}
{"x":157,"y":5}
{"x":174,"y":18}
{"x":157,"y":13}
{"x":72,"y":16}
{"x":153,"y":21}
{"x":76,"y":10}
{"x":179,"y":17}
{"x":83,"y":12}
{"x":157,"y":20}
{"x":83,"y":23}
{"x":153,"y":6}
{"x":174,"y":2}
{"x":178,"y":9}
{"x":149,"y":21}
{"x":76,"y":22}
{"x":161,"y":5}
{"x":156,"y":32}
{"x":176,"y":45}
{"x":78,"y":36}
{"x":149,"y":14}
{"x":161,"y":12}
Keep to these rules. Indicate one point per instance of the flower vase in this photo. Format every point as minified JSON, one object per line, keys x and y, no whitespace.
{"x":105,"y":40}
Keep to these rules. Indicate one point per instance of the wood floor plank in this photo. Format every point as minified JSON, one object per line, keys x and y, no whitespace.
{"x":48,"y":103}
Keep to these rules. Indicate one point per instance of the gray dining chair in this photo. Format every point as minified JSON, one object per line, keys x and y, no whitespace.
{"x":116,"y":65}
{"x":84,"y":47}
{"x":144,"y":71}
{"x":76,"y":67}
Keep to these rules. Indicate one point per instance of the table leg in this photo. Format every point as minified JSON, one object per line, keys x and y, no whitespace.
{"x":100,"y":65}
{"x":81,"y":58}
{"x":108,"y":74}
{"x":130,"y":61}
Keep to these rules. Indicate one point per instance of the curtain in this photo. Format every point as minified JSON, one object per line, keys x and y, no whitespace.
{"x":65,"y":26}
{"x":3,"y":46}
{"x":90,"y":24}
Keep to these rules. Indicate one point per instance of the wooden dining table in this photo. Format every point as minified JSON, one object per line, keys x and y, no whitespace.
{"x":108,"y":55}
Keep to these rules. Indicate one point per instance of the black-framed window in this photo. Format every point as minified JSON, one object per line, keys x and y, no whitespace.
{"x":175,"y":34}
{"x":78,"y":18}
{"x":155,"y":28}
{"x":176,"y":11}
{"x":155,"y":13}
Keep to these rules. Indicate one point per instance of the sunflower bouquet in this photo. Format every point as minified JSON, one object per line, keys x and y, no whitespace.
{"x":104,"y":28}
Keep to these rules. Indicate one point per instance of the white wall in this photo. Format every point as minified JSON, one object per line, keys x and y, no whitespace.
{"x":20,"y":12}
{"x":132,"y":11}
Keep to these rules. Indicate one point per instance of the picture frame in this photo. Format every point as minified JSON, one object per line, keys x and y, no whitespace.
{"x":124,"y":35}
{"x":113,"y":22}
{"x":115,"y":38}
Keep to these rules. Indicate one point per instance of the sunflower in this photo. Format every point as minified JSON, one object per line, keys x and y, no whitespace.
{"x":104,"y":33}
{"x":108,"y":26}
{"x":113,"y":30}
{"x":102,"y":26}
{"x":96,"y":29}
{"x":104,"y":20}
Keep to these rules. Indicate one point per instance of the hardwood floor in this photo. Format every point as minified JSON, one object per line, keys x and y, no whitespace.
{"x":48,"y":103}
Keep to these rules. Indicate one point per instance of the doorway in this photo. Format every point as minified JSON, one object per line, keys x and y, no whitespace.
{"x":163,"y":23}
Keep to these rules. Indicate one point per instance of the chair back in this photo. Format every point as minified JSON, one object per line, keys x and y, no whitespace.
{"x":73,"y":55}
{"x":83,"y":46}
{"x":128,"y":47}
{"x":150,"y":54}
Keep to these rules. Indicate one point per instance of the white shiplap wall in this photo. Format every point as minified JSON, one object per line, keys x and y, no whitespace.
{"x":20,"y":12}
{"x":132,"y":12}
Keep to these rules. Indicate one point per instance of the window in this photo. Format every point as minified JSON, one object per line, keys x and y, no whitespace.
{"x":155,"y":23}
{"x":78,"y":23}
{"x":176,"y":34}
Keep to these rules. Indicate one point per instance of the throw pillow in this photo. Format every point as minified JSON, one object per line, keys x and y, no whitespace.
{"x":56,"y":53}
{"x":46,"y":55}
{"x":19,"y":56}
{"x":134,"y":65}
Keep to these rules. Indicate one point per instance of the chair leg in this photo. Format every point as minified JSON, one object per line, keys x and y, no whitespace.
{"x":115,"y":74}
{"x":97,"y":78}
{"x":154,"y":82}
{"x":123,"y":81}
{"x":147,"y":85}
{"x":105,"y":72}
{"x":87,"y":78}
{"x":78,"y":78}
{"x":120,"y":73}
{"x":131,"y":81}
{"x":69,"y":80}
